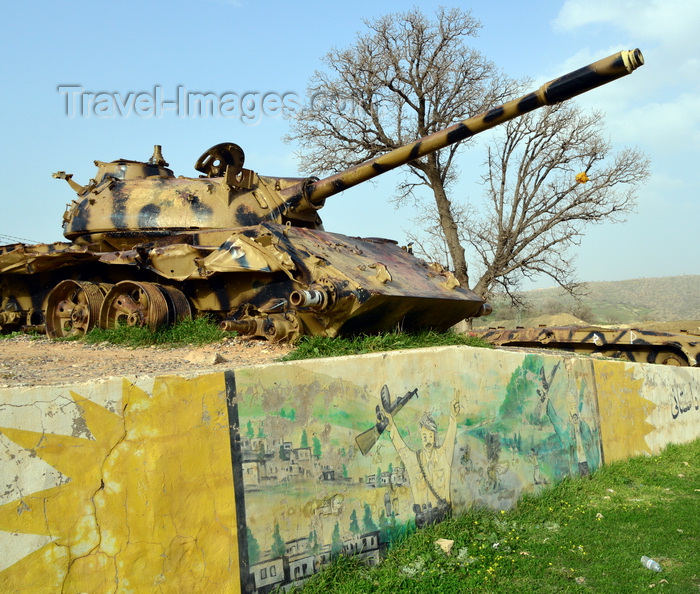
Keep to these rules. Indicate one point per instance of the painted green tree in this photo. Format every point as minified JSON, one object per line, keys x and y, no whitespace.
{"x":253,"y":548}
{"x":317,"y":447}
{"x":522,"y":389}
{"x":354,"y":525}
{"x":304,"y":439}
{"x":250,"y":432}
{"x":337,"y":542}
{"x":395,"y":531}
{"x":367,"y":520}
{"x":384,"y":528}
{"x":314,"y":545}
{"x":278,"y":547}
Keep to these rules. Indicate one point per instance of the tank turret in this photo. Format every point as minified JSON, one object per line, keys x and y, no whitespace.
{"x":149,"y":248}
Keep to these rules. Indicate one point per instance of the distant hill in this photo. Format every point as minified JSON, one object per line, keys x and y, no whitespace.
{"x":619,"y":302}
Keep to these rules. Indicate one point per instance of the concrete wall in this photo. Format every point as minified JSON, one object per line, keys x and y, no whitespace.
{"x":249,"y":479}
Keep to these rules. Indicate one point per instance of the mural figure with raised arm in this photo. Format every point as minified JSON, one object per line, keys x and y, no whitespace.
{"x":429,"y":468}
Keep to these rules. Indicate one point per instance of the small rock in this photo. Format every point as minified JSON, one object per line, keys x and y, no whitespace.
{"x":218,"y":358}
{"x":445,"y":544}
{"x":205,"y":358}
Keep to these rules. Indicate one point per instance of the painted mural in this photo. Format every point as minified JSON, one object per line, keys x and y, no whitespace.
{"x":338,"y":461}
{"x":250,"y":480}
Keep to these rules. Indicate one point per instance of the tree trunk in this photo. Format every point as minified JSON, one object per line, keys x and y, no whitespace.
{"x":449,"y":228}
{"x":482,"y":287}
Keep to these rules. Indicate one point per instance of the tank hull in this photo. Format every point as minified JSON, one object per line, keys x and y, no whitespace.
{"x":628,"y":344}
{"x":253,"y":275}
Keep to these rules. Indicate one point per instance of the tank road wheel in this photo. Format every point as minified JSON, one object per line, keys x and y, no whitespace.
{"x":73,"y":308}
{"x":178,"y":307}
{"x":134,"y":304}
{"x":667,"y":357}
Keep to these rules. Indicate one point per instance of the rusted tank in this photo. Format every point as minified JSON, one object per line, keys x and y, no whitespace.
{"x":148,"y":248}
{"x":628,"y":344}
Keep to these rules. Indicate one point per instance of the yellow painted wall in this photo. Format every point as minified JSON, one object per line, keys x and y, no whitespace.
{"x":645,"y":407}
{"x":141,"y":496}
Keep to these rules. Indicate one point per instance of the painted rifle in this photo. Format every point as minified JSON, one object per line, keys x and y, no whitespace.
{"x":366,"y":440}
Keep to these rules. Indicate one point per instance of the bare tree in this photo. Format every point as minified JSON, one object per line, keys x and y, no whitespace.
{"x":548,"y":175}
{"x":407,"y":78}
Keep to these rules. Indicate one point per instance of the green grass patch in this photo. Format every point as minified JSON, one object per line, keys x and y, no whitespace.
{"x":32,"y":334}
{"x":310,"y":347}
{"x":583,"y":535}
{"x":12,"y":335}
{"x":188,"y":332}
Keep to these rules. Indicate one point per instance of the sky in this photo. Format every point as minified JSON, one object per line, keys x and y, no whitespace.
{"x":55,"y":54}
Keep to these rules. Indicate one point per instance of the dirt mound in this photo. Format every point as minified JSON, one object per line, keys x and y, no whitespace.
{"x":560,"y":319}
{"x":689,"y":326}
{"x":26,"y":360}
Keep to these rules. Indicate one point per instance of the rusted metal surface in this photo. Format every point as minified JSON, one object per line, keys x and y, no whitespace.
{"x":631,"y":344}
{"x":149,"y":248}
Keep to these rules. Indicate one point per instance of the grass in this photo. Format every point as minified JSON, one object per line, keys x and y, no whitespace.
{"x":33,"y":335}
{"x":583,"y":535}
{"x":311,"y":347}
{"x":203,"y":330}
{"x":188,"y":332}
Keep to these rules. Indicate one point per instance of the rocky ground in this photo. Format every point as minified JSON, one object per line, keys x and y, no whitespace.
{"x":27,"y":360}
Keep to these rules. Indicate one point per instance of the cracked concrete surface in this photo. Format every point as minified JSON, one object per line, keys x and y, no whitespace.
{"x":94,"y":500}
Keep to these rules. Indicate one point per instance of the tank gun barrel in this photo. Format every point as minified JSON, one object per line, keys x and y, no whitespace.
{"x":312,"y":194}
